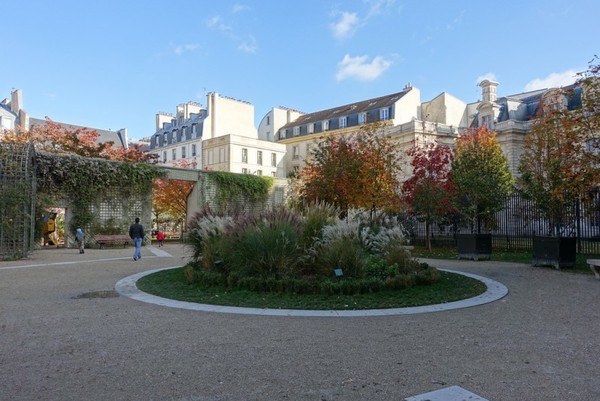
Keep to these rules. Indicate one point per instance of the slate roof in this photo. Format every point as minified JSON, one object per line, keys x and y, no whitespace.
{"x":104,"y":135}
{"x":345,"y":110}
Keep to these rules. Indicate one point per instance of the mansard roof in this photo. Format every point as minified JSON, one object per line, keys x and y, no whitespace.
{"x":531,"y":101}
{"x":345,"y":110}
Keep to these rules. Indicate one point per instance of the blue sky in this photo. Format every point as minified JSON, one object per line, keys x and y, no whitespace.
{"x":115,"y":64}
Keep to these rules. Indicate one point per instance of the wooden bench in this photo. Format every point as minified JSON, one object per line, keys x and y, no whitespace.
{"x":113,"y":240}
{"x":595,"y":267}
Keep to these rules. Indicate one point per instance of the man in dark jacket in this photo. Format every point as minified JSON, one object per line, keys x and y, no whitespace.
{"x":136,"y":233}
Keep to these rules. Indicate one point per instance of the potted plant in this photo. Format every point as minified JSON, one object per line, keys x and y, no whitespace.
{"x":559,"y":167}
{"x":482,"y":180}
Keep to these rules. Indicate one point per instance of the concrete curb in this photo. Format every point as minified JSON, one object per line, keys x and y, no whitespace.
{"x":127,"y":287}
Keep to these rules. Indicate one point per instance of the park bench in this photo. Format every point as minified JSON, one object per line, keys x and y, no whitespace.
{"x":595,"y":267}
{"x":114,"y":240}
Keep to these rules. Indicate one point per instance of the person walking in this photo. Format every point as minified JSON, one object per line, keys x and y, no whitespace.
{"x":79,"y":236}
{"x":160,"y":237}
{"x":136,"y":233}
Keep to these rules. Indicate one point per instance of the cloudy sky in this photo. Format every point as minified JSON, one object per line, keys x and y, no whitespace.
{"x":115,"y":64}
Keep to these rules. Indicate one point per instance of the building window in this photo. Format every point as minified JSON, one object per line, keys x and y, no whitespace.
{"x":274,"y":159}
{"x":311,"y":128}
{"x":175,"y":139}
{"x":343,"y":122}
{"x":259,"y":158}
{"x":193,"y":149}
{"x":384,"y":114}
{"x":194,"y":130}
{"x":295,"y":153}
{"x":183,"y":152}
{"x":244,"y":170}
{"x":486,"y":121}
{"x":244,"y":155}
{"x":165,"y":138}
{"x":174,"y":154}
{"x":326,"y":125}
{"x":258,"y":172}
{"x":273,"y":174}
{"x":296,"y":131}
{"x":282,"y":134}
{"x":268,"y":120}
{"x":222,"y":155}
{"x":164,"y":156}
{"x":362,"y":118}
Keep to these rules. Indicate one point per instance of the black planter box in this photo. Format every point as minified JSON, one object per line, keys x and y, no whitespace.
{"x":474,"y":246}
{"x":554,"y":251}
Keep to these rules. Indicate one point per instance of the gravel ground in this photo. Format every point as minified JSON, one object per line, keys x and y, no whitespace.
{"x":540,"y":342}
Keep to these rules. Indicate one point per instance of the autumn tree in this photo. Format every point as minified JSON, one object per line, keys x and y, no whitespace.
{"x":169,"y":197}
{"x":358,"y":170}
{"x":55,"y":138}
{"x":560,"y":159}
{"x":429,"y":190}
{"x":481,"y":177}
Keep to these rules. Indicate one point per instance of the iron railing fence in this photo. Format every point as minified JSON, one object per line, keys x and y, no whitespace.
{"x":519,"y":222}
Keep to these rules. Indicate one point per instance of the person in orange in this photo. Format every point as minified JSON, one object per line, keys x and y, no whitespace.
{"x":160,"y":237}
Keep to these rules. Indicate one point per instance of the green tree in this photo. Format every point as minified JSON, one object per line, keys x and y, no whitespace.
{"x":481,"y":177}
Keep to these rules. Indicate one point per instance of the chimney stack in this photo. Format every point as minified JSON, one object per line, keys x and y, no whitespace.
{"x":488,"y":90}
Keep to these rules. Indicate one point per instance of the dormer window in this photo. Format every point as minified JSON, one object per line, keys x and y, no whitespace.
{"x":487,"y":121}
{"x":165,"y":138}
{"x":384,"y":114}
{"x":326,"y":125}
{"x":554,"y":100}
{"x":362,"y":118}
{"x":296,"y":131}
{"x":311,"y":128}
{"x":343,"y":121}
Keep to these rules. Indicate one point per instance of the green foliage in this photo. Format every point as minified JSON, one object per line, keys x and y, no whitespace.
{"x":84,"y":180}
{"x":481,"y":177}
{"x":268,"y":252}
{"x":235,"y":186}
{"x":560,"y":158}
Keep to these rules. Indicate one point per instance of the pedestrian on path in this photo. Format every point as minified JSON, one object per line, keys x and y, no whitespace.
{"x":80,"y":236}
{"x":160,"y":237}
{"x":136,"y":233}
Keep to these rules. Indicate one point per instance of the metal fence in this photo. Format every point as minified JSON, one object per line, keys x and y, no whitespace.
{"x":519,"y":222}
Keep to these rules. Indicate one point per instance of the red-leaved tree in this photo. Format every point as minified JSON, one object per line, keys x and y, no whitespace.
{"x":429,"y":192}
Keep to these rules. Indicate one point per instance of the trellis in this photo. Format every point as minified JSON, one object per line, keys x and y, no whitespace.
{"x":17,"y":200}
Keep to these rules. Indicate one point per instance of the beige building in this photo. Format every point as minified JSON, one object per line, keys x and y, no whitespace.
{"x":408,"y":121}
{"x":218,"y":137}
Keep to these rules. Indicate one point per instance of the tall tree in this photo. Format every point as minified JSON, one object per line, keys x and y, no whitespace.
{"x":561,"y":157}
{"x":357,"y":170}
{"x":481,"y":177}
{"x":429,"y":190}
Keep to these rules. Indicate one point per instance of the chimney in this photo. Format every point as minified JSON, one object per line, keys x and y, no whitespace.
{"x":488,"y":90}
{"x":16,"y":101}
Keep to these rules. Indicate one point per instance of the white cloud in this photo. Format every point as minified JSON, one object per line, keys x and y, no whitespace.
{"x":238,"y":8}
{"x":217,"y":22}
{"x":377,"y":7}
{"x":359,"y":68}
{"x":554,"y":80}
{"x":490,"y":76}
{"x":180,"y":49}
{"x":249,"y":46}
{"x":346,"y":26}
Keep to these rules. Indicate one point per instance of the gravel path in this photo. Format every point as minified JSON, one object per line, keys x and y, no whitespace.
{"x":540,"y":342}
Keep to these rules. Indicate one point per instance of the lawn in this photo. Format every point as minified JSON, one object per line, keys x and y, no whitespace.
{"x":515,"y":256}
{"x":171,"y":284}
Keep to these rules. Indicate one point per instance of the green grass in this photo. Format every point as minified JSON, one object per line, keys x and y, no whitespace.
{"x":171,"y":284}
{"x":504,"y":256}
